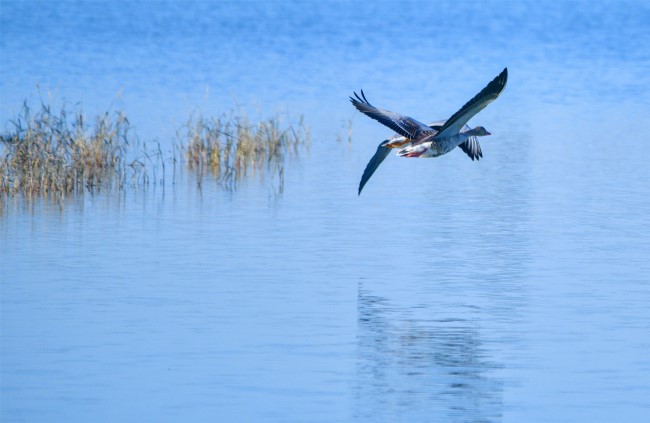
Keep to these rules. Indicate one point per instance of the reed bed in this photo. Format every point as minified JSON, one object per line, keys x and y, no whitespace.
{"x":59,"y":153}
{"x":230,"y":148}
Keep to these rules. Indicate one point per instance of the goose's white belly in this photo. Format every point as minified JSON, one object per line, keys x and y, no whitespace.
{"x":434,"y":148}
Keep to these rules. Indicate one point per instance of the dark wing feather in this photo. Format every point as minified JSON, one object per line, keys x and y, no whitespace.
{"x":472,"y":148}
{"x":381,"y":153}
{"x":475,"y":105}
{"x":403,"y":125}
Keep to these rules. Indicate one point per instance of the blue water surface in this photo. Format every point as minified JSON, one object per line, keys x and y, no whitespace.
{"x":512,"y":289}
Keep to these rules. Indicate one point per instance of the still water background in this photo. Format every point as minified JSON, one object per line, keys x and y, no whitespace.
{"x":511,"y":289}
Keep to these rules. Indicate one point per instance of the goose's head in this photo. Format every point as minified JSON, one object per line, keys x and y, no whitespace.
{"x":479,"y":131}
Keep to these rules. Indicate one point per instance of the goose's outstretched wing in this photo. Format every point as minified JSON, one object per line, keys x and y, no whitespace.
{"x":475,"y":105}
{"x":472,"y":148}
{"x":403,"y":125}
{"x":381,"y":153}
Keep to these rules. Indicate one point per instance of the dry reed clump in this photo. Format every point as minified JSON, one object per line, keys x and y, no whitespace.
{"x":55,"y":152}
{"x":229,"y":148}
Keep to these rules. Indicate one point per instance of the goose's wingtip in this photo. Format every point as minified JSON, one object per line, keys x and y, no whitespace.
{"x":362,"y":185}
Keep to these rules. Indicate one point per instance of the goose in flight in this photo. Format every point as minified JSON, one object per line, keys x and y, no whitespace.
{"x":416,"y":139}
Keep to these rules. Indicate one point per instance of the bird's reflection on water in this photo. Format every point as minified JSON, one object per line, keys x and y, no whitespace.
{"x":421,"y":369}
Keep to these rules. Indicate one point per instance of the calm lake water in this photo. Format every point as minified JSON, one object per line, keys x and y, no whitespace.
{"x":511,"y":289}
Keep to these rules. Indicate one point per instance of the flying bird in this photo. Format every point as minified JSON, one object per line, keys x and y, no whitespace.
{"x":415,"y":139}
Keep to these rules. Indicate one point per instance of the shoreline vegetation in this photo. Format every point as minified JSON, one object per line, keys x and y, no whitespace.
{"x":61,"y":153}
